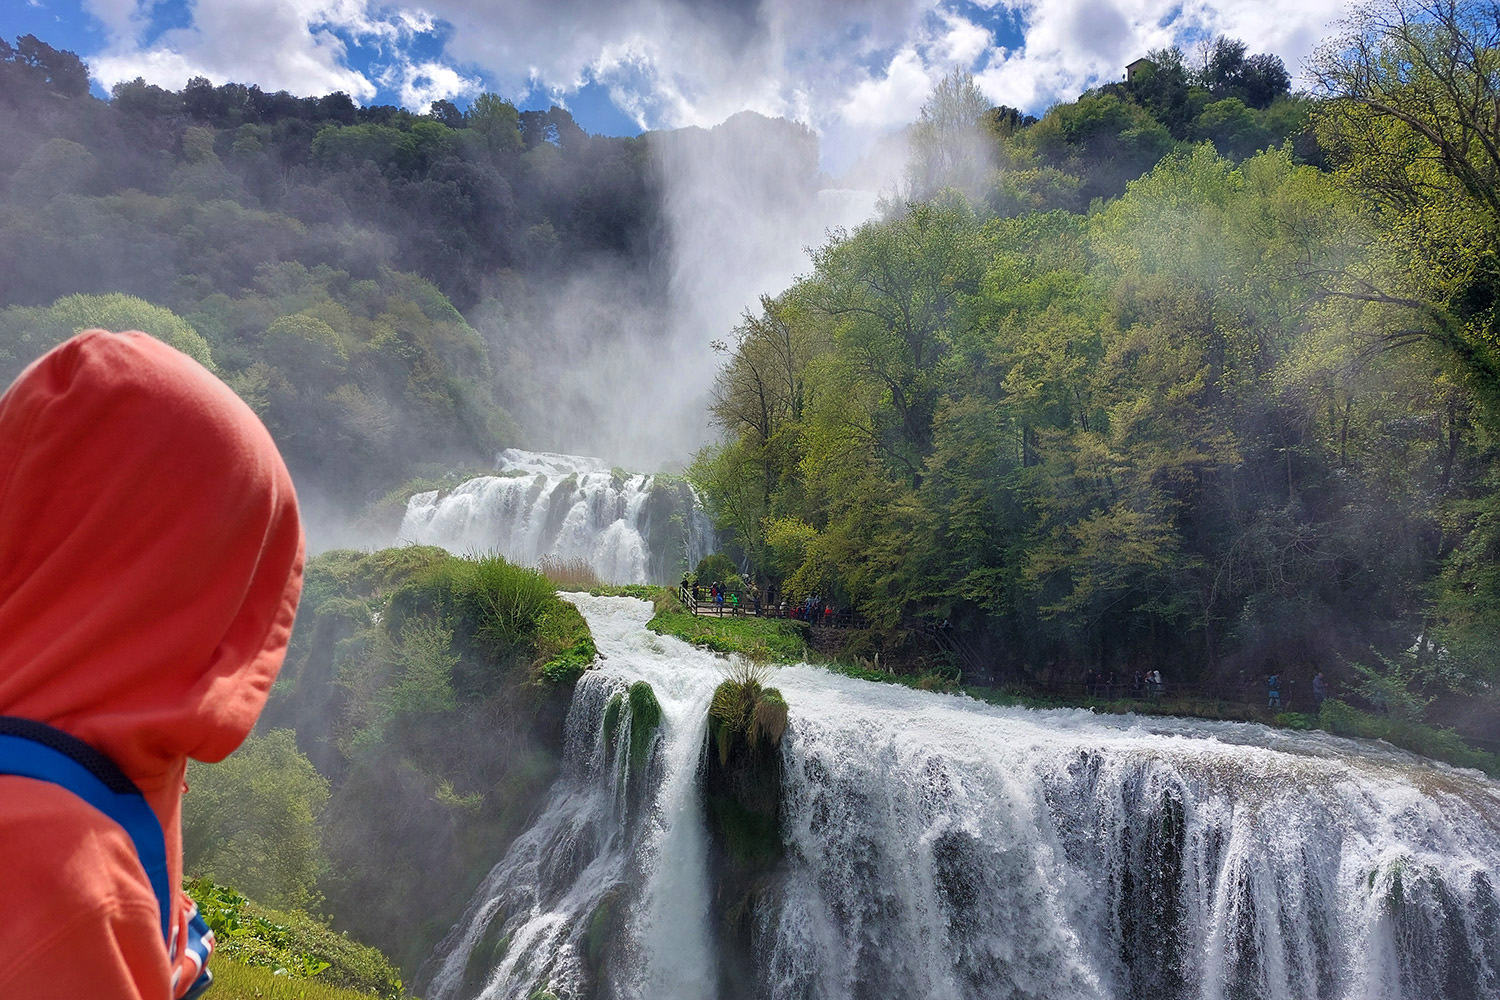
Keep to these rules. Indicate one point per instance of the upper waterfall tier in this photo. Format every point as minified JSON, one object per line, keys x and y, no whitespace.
{"x":629,"y":528}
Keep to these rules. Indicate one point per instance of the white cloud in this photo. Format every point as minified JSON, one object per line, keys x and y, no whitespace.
{"x":850,"y":68}
{"x":122,"y":18}
{"x":964,"y":42}
{"x":294,"y":45}
{"x":893,"y":98}
{"x":421,"y":83}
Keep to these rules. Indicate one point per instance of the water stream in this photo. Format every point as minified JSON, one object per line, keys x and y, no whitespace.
{"x":937,"y":847}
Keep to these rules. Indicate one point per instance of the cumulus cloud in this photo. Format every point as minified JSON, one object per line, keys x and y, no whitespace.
{"x":296,"y":45}
{"x":418,"y":84}
{"x":849,"y":68}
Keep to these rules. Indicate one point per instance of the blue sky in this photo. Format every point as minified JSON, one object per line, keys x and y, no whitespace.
{"x":851,"y":69}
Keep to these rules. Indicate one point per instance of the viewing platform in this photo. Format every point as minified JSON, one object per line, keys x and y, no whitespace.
{"x":736,"y":604}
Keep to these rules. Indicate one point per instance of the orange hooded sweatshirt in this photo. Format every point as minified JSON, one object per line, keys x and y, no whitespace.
{"x":150,"y":564}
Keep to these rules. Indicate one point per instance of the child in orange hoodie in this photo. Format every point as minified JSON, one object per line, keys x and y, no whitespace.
{"x":150,"y":564}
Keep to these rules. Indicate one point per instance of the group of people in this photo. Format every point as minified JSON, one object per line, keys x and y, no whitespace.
{"x":720,"y":597}
{"x":813,"y":609}
{"x":1104,"y":684}
{"x":1319,"y":691}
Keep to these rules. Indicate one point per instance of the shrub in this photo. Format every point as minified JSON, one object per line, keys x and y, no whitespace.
{"x":569,"y":574}
{"x":1429,"y":741}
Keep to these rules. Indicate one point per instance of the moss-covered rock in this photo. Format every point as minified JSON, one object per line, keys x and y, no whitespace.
{"x":645,"y":720}
{"x":488,"y":952}
{"x":612,"y":713}
{"x":604,"y":928}
{"x":742,"y":774}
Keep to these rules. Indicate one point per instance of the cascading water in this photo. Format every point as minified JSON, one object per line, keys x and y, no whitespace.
{"x":628,"y":528}
{"x":936,"y":847}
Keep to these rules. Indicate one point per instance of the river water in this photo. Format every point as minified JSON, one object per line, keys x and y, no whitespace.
{"x":937,"y":847}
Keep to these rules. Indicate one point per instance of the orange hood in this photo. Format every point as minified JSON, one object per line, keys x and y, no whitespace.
{"x":150,"y":556}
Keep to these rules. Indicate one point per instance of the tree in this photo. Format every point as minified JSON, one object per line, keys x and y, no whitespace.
{"x":1226,"y":72}
{"x":1263,"y":79}
{"x":1232,"y":127}
{"x":949,"y":149}
{"x":61,"y":71}
{"x":1164,"y":88}
{"x":1411,"y":119}
{"x":498,"y":121}
{"x":137,"y":97}
{"x":893,"y":293}
{"x":251,"y":821}
{"x":447,"y":113}
{"x":31,"y":331}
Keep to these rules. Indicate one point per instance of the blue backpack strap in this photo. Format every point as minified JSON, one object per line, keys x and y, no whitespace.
{"x":30,"y":749}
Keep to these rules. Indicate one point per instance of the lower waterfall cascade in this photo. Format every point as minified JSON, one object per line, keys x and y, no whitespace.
{"x":938,"y":847}
{"x":629,"y":528}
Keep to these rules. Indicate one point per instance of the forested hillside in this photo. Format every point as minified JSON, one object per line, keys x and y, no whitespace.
{"x":320,"y":256}
{"x":1236,"y":416}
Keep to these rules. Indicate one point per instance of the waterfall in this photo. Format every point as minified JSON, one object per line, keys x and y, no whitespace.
{"x":628,"y":528}
{"x":938,"y":847}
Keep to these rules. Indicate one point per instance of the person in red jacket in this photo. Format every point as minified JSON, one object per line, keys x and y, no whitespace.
{"x":150,"y":564}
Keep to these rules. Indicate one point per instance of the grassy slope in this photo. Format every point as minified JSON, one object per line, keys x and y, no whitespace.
{"x":233,"y":981}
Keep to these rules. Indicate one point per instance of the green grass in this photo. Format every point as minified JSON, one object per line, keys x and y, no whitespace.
{"x":662,"y":598}
{"x":233,"y":981}
{"x":773,"y":639}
